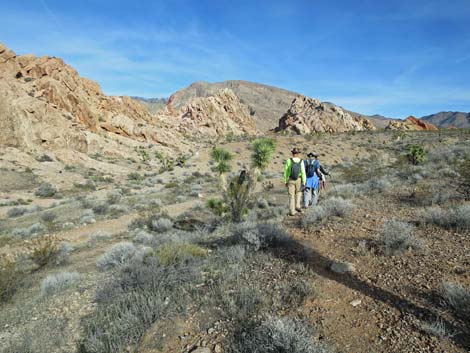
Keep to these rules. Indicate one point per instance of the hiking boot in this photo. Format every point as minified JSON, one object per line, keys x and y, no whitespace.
{"x":299,"y":210}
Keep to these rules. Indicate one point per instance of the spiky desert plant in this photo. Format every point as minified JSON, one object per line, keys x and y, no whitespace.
{"x":222,"y":158}
{"x":416,"y":154}
{"x":262,"y":152}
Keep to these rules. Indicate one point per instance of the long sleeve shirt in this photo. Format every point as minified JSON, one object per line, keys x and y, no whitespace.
{"x":288,"y":168}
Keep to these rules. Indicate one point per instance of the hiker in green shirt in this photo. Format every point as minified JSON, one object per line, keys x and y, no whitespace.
{"x":294,"y":178}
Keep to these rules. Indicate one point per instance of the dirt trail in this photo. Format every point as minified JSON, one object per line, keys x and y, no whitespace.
{"x":395,"y":293}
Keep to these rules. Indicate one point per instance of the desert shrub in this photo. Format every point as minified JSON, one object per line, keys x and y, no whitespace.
{"x":262,"y":203}
{"x":57,"y":282}
{"x":436,"y":328}
{"x":10,"y":278}
{"x":129,"y":304}
{"x":16,"y":212}
{"x":295,"y":292}
{"x":376,"y":185}
{"x":455,"y":218}
{"x":275,"y":334}
{"x":101,"y":208}
{"x":116,"y":210}
{"x":44,"y":250}
{"x":462,"y":217}
{"x":30,"y":231}
{"x":118,"y":255}
{"x":314,"y":216}
{"x":458,"y":298}
{"x":87,"y":217}
{"x":463,"y":180}
{"x":39,"y":337}
{"x":45,"y":190}
{"x":176,"y":253}
{"x":142,"y":237}
{"x":269,"y":213}
{"x":63,"y":252}
{"x":113,"y":197}
{"x":134,"y":176}
{"x":260,"y":236}
{"x":44,"y":158}
{"x":416,"y":154}
{"x":49,"y":216}
{"x":345,"y":191}
{"x":355,"y":174}
{"x":397,"y":236}
{"x":337,"y":206}
{"x":160,"y":225}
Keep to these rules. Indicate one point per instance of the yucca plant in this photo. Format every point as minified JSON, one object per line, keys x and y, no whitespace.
{"x":262,"y":152}
{"x":222,"y":158}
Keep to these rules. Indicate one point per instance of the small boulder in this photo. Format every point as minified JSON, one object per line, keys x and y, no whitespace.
{"x":342,"y":267}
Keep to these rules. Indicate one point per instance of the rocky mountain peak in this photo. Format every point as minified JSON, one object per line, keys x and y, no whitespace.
{"x":410,"y":123}
{"x":307,"y":115}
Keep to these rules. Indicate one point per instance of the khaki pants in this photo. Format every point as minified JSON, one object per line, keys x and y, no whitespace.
{"x":294,"y":188}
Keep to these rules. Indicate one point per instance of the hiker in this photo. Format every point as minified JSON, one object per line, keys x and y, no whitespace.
{"x":294,"y":178}
{"x":321,"y":174}
{"x":312,"y":185}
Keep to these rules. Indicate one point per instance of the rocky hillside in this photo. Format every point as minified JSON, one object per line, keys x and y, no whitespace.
{"x":449,"y":119}
{"x":410,"y":124}
{"x":307,"y":115}
{"x":265,"y":103}
{"x":46,"y":105}
{"x":216,"y":115}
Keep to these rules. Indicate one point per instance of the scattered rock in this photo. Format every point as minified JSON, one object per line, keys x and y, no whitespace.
{"x":342,"y":267}
{"x":355,"y":302}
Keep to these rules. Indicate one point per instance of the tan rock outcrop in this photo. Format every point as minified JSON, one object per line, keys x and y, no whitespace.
{"x":410,"y":124}
{"x":307,"y":115}
{"x":217,"y":115}
{"x":46,"y":104}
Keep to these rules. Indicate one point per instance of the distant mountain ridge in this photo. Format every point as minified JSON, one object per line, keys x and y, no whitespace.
{"x":152,"y":104}
{"x":449,"y":119}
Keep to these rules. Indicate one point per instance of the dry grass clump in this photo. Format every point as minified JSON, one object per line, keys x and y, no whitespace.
{"x":275,"y":334}
{"x":334,"y":206}
{"x":45,"y":250}
{"x":17,"y":212}
{"x":45,"y":190}
{"x":59,"y":281}
{"x":176,"y":253}
{"x":260,"y":236}
{"x":397,"y":237}
{"x":32,"y":230}
{"x":458,"y":298}
{"x":458,"y":217}
{"x":436,"y":328}
{"x":118,"y":255}
{"x":10,"y":277}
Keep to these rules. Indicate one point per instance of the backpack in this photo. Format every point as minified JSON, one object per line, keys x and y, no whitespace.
{"x":309,"y":168}
{"x":295,"y":170}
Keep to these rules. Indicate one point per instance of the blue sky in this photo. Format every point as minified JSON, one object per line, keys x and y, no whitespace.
{"x":393,"y":58}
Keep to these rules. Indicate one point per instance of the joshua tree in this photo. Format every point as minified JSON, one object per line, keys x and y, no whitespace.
{"x":222,"y":158}
{"x":263,"y":150}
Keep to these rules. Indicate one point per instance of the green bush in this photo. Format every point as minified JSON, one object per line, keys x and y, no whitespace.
{"x":175,"y":253}
{"x":416,"y":154}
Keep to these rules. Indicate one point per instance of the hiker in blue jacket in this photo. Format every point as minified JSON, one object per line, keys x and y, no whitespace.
{"x":312,"y":184}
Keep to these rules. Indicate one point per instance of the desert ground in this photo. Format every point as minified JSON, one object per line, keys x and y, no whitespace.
{"x":119,"y":255}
